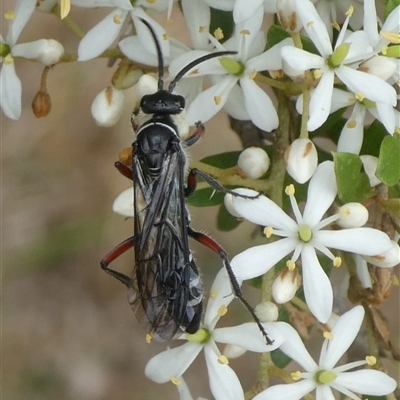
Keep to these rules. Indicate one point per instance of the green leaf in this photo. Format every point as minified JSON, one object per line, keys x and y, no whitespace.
{"x":276,"y":34}
{"x":352,"y":182}
{"x":205,"y":198}
{"x":391,"y":205}
{"x":390,"y":6}
{"x":224,"y":20}
{"x":222,"y":160}
{"x":225,"y":221}
{"x":388,"y":170}
{"x":373,"y":136}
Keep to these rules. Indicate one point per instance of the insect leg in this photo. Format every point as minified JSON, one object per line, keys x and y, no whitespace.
{"x":197,"y":134}
{"x":237,"y":291}
{"x":124,"y":169}
{"x":115,"y":253}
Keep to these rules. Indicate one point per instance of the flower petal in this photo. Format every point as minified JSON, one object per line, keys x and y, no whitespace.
{"x":320,"y":103}
{"x":132,"y":47}
{"x":262,"y":211}
{"x":344,"y":332}
{"x":258,"y":260}
{"x":322,"y":191}
{"x":367,"y":381}
{"x":172,"y":362}
{"x":324,"y":392}
{"x":100,"y":37}
{"x":341,"y":99}
{"x":11,"y":91}
{"x":224,"y":383}
{"x":317,"y":286}
{"x":244,"y":10}
{"x":259,"y":106}
{"x":301,"y":60}
{"x":292,"y":391}
{"x":209,"y":102}
{"x":235,"y":105}
{"x":249,"y":337}
{"x":363,"y":241}
{"x":23,"y":11}
{"x":198,"y":16}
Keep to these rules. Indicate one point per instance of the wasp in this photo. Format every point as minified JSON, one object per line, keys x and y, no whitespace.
{"x":165,"y":288}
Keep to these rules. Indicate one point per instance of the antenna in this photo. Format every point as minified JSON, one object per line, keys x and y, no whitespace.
{"x":195,"y":62}
{"x":159,"y":55}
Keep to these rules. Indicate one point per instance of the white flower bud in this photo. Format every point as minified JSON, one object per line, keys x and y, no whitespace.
{"x":352,"y":215}
{"x":380,"y":66}
{"x":131,"y":78}
{"x":233,"y":351}
{"x":370,"y":164}
{"x":388,"y":259}
{"x":123,"y":204}
{"x":146,"y":85}
{"x":287,"y":15}
{"x":266,"y":311}
{"x":285,"y":286}
{"x":254,"y":162}
{"x":228,"y":201}
{"x":301,"y":160}
{"x":107,"y":106}
{"x":51,"y":52}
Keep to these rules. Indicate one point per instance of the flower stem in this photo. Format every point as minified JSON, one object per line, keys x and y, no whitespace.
{"x":69,"y":22}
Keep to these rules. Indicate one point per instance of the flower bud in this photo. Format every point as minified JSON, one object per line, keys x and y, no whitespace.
{"x":387,"y":259}
{"x":267,"y":311}
{"x":126,"y":76}
{"x":301,"y":160}
{"x":285,"y":286}
{"x":380,"y":66}
{"x":370,"y":164}
{"x":146,"y":85}
{"x":46,"y":51}
{"x":41,"y":104}
{"x":228,"y":201}
{"x":254,"y":162}
{"x":287,"y":15}
{"x":107,"y":106}
{"x":123,"y":204}
{"x":233,"y":351}
{"x":352,"y":215}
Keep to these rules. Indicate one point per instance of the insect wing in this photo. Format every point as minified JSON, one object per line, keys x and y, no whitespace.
{"x":166,"y":280}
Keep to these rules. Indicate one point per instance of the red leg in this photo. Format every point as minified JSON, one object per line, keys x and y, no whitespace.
{"x":197,"y":134}
{"x":124,"y":169}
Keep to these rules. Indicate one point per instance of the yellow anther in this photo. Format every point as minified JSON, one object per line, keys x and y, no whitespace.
{"x":345,"y":211}
{"x":219,"y":34}
{"x":168,"y":21}
{"x":296,"y":376}
{"x":253,"y":74}
{"x":392,"y":37}
{"x":328,"y":335}
{"x":268,"y":231}
{"x":291,"y":265}
{"x":350,"y":11}
{"x":335,"y":25}
{"x":165,"y":36}
{"x":117,"y":19}
{"x":310,"y":24}
{"x":175,"y":381}
{"x":351,"y":124}
{"x":194,"y":72}
{"x":397,"y":130}
{"x":65,"y":8}
{"x":8,"y":59}
{"x":337,"y":262}
{"x":149,"y":338}
{"x":360,"y":96}
{"x":317,"y":73}
{"x":384,"y":50}
{"x":151,"y":1}
{"x":245,"y":32}
{"x":371,"y":360}
{"x":213,"y":295}
{"x":9,"y":15}
{"x":223,"y":360}
{"x":222,"y":310}
{"x":290,"y":190}
{"x":217,"y":100}
{"x":202,"y":28}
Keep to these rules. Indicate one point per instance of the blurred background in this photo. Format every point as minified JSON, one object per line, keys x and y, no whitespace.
{"x":67,"y":329}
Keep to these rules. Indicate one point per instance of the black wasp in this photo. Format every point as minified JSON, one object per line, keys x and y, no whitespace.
{"x":165,"y":287}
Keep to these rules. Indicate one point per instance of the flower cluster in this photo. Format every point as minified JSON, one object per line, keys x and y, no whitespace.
{"x":323,"y":80}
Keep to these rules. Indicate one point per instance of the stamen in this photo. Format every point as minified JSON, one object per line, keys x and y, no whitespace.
{"x":245,"y":32}
{"x":202,"y":28}
{"x":268,"y":231}
{"x":219,"y":34}
{"x":351,"y":124}
{"x":222,"y":310}
{"x":327,"y":335}
{"x":291,"y":265}
{"x":217,"y":100}
{"x":175,"y":381}
{"x":317,"y":73}
{"x":335,"y":25}
{"x":9,"y":15}
{"x":117,"y":19}
{"x":290,"y":190}
{"x":253,"y":74}
{"x":296,"y":376}
{"x":350,"y":11}
{"x":149,"y":337}
{"x":371,"y":360}
{"x":392,"y":37}
{"x":337,"y":262}
{"x":360,"y":96}
{"x":223,"y":360}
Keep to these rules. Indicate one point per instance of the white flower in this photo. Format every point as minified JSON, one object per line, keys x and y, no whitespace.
{"x":244,"y":102}
{"x":370,"y":164}
{"x":103,"y":35}
{"x":324,"y":376}
{"x":172,"y":363}
{"x":254,"y":162}
{"x":303,"y":236}
{"x":123,"y":204}
{"x":352,"y":215}
{"x":301,"y":159}
{"x":10,"y":99}
{"x":285,"y":286}
{"x":349,"y":51}
{"x":107,"y":106}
